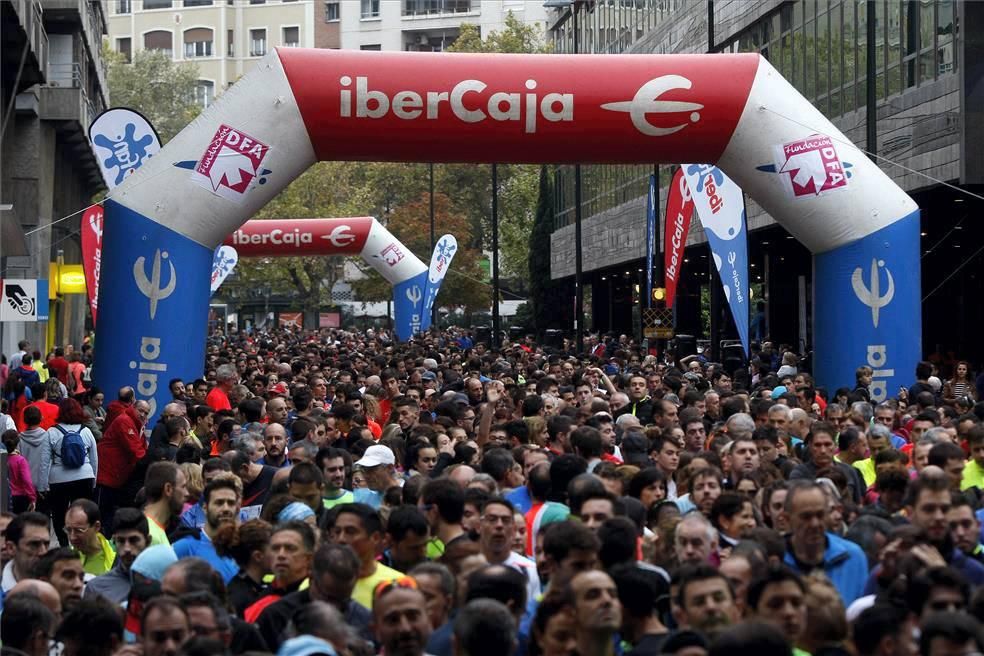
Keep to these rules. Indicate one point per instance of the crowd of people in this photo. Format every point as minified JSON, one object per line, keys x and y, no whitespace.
{"x":343,"y":493}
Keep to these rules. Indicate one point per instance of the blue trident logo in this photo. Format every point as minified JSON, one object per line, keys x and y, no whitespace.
{"x":871,"y":295}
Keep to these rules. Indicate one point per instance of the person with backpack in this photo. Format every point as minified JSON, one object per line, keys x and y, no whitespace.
{"x":74,"y":463}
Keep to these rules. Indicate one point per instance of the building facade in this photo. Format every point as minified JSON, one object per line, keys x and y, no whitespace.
{"x":54,"y":84}
{"x":928,"y":83}
{"x":222,"y":38}
{"x":423,"y":25}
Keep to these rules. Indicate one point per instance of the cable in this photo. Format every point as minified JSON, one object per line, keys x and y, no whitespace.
{"x":955,"y":272}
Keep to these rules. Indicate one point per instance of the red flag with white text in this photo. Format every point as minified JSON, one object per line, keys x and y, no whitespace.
{"x":679,"y":212}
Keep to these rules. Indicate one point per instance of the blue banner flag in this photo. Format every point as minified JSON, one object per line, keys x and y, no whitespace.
{"x":721,"y":207}
{"x":650,"y":238}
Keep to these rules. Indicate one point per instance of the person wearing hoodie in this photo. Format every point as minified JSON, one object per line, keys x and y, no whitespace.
{"x":35,"y":449}
{"x":122,"y":446}
{"x":28,"y":374}
{"x":67,"y":482}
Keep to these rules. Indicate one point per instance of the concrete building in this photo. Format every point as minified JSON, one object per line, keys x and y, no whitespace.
{"x":423,"y":25}
{"x":223,"y":39}
{"x":53,"y":82}
{"x":928,"y":85}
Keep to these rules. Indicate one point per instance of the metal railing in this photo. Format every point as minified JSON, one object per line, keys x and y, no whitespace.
{"x":66,"y":74}
{"x":436,"y":7}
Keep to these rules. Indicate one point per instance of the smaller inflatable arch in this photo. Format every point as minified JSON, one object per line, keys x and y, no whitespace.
{"x":299,"y":106}
{"x":363,"y":236}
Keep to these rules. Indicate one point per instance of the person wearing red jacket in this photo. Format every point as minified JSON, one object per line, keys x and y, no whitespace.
{"x":122,"y":446}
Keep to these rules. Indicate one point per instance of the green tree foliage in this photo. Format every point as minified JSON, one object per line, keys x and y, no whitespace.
{"x":155,"y":86}
{"x":410,"y":223}
{"x":515,"y":38}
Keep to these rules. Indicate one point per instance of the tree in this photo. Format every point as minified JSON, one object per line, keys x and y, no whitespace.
{"x":155,"y":86}
{"x":464,"y":285}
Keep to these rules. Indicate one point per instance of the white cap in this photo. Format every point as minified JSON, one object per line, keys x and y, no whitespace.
{"x":376,"y":455}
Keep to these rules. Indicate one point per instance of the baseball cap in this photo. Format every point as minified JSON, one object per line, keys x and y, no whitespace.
{"x":280,"y":388}
{"x":306,"y":646}
{"x":428,"y":375}
{"x":376,"y":455}
{"x":778,"y":391}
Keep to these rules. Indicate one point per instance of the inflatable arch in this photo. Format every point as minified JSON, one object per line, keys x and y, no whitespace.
{"x":363,"y":236}
{"x":299,"y":106}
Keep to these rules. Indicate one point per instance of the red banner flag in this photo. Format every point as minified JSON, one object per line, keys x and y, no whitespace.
{"x":92,"y":230}
{"x":679,"y":212}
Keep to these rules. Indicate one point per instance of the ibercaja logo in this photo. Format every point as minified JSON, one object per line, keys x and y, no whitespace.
{"x":810,"y":167}
{"x":231,"y":163}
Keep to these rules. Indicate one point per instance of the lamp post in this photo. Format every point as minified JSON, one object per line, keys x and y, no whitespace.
{"x":578,"y":259}
{"x":431,"y":170}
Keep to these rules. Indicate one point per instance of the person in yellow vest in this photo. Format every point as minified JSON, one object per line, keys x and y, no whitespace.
{"x":83,"y":527}
{"x":359,"y":526}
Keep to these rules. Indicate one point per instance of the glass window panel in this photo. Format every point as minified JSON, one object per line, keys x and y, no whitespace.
{"x":847,"y":97}
{"x":810,"y":60}
{"x":894,"y":80}
{"x":835,"y":103}
{"x":823,"y":54}
{"x":926,"y":23}
{"x":927,"y":65}
{"x":894,"y":36}
{"x":945,"y":27}
{"x":880,"y":34}
{"x":786,"y":63}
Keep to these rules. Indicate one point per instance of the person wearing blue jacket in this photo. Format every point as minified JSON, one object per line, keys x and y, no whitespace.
{"x":810,"y":547}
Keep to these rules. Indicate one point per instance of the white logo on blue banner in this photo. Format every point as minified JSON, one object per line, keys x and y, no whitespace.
{"x":122,"y":140}
{"x":720,"y":205}
{"x":444,"y":252}
{"x":225,"y":260}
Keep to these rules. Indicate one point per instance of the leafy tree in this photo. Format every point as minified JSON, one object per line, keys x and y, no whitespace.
{"x":410,"y":223}
{"x":155,"y":86}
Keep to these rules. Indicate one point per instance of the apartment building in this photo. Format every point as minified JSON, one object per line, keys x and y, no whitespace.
{"x":223,"y":38}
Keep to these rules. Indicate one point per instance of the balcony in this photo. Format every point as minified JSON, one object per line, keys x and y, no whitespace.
{"x":64,"y":98}
{"x":437,"y":8}
{"x":90,"y":17}
{"x":23,"y":26}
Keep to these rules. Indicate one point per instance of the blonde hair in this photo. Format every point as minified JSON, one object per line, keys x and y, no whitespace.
{"x":536,"y":426}
{"x":193,"y":479}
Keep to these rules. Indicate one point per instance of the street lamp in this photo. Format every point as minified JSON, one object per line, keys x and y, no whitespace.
{"x":578,"y":262}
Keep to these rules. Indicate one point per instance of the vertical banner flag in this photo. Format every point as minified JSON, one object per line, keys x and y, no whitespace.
{"x":223,"y":263}
{"x":444,"y":252}
{"x":720,"y":205}
{"x":92,"y":232}
{"x":122,"y":139}
{"x":679,"y":212}
{"x":650,"y":238}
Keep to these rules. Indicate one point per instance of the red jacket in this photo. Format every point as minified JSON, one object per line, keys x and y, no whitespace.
{"x":121,"y":447}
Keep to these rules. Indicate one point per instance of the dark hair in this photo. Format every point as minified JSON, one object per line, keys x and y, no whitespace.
{"x":199,"y":576}
{"x":158,"y":475}
{"x":644,"y":479}
{"x":921,"y":586}
{"x":23,"y":614}
{"x":406,"y":519}
{"x":301,"y":427}
{"x":560,"y":538}
{"x":94,"y":621}
{"x":447,"y":496}
{"x":750,"y":637}
{"x":497,"y":463}
{"x":220,"y":483}
{"x":877,"y":622}
{"x":241,"y":541}
{"x":773,"y":575}
{"x":499,"y":582}
{"x":89,"y":507}
{"x":957,"y":628}
{"x":618,"y":541}
{"x":46,"y":563}
{"x":15,"y":529}
{"x":338,"y":560}
{"x":163,"y":604}
{"x":587,"y":442}
{"x":848,"y":438}
{"x":824,"y":427}
{"x":305,"y":473}
{"x":485,"y":627}
{"x":928,"y":483}
{"x":694,"y":573}
{"x":727,"y":505}
{"x":944,"y":452}
{"x":368,"y":516}
{"x":70,"y":412}
{"x":32,"y":415}
{"x":130,"y":519}
{"x":642,"y":592}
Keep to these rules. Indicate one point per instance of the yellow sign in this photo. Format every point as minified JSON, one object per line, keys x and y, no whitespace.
{"x":657,"y":323}
{"x":65,"y":279}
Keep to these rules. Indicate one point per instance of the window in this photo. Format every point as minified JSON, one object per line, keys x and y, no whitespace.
{"x":332,"y":12}
{"x":204,"y":93}
{"x":197,"y":3}
{"x":257,"y":43}
{"x":231,"y":41}
{"x":371,"y":46}
{"x":160,"y":40}
{"x":370,"y":8}
{"x":122,"y":6}
{"x":291,"y":37}
{"x":157,"y":4}
{"x":124,"y":47}
{"x":198,"y":42}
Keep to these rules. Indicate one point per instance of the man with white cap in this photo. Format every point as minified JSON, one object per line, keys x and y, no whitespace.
{"x":379,"y":465}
